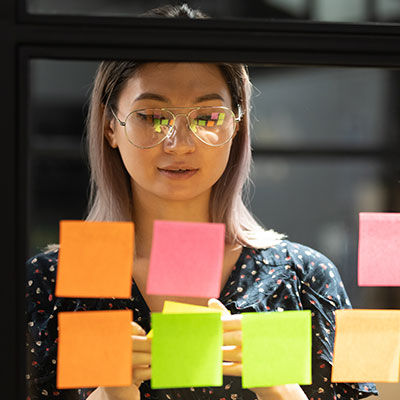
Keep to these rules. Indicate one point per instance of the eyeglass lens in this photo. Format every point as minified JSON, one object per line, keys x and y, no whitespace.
{"x":212,"y":125}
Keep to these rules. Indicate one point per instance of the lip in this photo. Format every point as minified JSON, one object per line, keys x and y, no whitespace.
{"x":176,"y":166}
{"x":171,"y":171}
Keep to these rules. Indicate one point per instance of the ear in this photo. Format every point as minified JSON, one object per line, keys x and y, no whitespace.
{"x":109,"y":129}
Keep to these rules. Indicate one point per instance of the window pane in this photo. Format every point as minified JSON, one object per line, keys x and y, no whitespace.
{"x":308,"y":107}
{"x":321,"y":10}
{"x":312,"y":199}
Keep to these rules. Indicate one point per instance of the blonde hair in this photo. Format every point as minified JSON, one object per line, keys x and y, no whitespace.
{"x":110,"y":188}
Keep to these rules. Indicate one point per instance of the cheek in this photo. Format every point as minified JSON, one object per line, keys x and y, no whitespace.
{"x":136,"y":162}
{"x":217,"y":163}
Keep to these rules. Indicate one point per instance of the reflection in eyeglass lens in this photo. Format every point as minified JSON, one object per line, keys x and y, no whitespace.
{"x":149,"y":127}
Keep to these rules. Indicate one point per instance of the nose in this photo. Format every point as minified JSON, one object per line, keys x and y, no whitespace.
{"x":180,"y":139}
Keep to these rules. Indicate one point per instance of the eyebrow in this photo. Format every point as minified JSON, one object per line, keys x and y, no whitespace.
{"x":158,"y":97}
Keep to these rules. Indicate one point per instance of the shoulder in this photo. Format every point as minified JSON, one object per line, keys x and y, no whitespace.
{"x":317,"y":273}
{"x":42,"y":265}
{"x":308,"y":263}
{"x":293,"y":253}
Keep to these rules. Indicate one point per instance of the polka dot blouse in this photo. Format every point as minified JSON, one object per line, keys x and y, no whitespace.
{"x":288,"y":276}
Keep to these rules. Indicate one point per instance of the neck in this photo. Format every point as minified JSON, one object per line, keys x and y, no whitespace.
{"x":147,"y":208}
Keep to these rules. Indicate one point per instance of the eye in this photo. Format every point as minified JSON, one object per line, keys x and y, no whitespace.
{"x":141,"y":116}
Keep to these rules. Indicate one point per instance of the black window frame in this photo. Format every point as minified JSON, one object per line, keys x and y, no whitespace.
{"x":254,"y":42}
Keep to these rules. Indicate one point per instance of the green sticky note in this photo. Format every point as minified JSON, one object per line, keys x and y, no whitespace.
{"x":186,"y":350}
{"x":276,"y":348}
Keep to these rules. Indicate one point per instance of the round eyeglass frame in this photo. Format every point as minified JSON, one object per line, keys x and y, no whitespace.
{"x":123,"y":123}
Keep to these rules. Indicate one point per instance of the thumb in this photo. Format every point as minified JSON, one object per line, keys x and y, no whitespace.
{"x":215,"y":304}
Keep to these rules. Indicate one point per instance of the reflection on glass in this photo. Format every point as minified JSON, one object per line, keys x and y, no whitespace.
{"x":321,"y":107}
{"x":321,"y":10}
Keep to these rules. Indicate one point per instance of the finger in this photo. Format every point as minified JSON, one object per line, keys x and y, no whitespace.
{"x":232,"y":322}
{"x":140,"y":374}
{"x":232,"y":354}
{"x":215,"y":304}
{"x":141,"y":359}
{"x":232,"y":369}
{"x":233,"y":338}
{"x":137,"y":329}
{"x":141,"y":344}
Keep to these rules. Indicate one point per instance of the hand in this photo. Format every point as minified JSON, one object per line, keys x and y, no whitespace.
{"x":141,"y":355}
{"x":232,"y":357}
{"x":232,"y":339}
{"x":141,"y":367}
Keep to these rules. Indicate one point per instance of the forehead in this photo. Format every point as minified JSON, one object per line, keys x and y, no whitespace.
{"x":177,"y":81}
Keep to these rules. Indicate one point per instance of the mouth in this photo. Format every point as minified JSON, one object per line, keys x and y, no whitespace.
{"x":178,"y":172}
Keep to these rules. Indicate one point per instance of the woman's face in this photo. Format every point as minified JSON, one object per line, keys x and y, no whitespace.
{"x":157,"y":85}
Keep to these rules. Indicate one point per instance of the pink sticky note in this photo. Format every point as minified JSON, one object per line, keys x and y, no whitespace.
{"x":378,"y":249}
{"x":186,"y":259}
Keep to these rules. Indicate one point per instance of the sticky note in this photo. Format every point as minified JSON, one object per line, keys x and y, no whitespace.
{"x":177,"y":307}
{"x":186,"y":259}
{"x":95,"y":259}
{"x":276,"y":348}
{"x":186,"y":350}
{"x":367,"y":346}
{"x":378,"y":249}
{"x":94,"y":349}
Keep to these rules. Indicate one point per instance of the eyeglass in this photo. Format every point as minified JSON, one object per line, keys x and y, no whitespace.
{"x":148,"y":127}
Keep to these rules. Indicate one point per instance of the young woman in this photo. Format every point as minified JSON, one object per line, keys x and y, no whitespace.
{"x":171,"y":141}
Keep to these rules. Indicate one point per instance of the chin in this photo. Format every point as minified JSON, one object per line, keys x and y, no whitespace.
{"x":177,"y":196}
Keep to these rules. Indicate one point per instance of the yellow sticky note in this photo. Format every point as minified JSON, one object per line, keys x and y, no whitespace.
{"x":175,"y":307}
{"x":171,"y":307}
{"x":367,"y":346}
{"x":94,"y":349}
{"x":95,"y":259}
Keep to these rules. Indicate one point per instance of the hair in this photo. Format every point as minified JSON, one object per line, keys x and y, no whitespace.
{"x":110,"y":196}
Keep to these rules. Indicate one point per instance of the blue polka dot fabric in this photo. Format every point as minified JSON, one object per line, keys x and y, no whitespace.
{"x":288,"y":276}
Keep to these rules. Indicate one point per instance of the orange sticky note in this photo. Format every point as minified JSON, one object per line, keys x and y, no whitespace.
{"x":95,"y":259}
{"x":94,"y":349}
{"x":378,"y":248}
{"x":367,"y":346}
